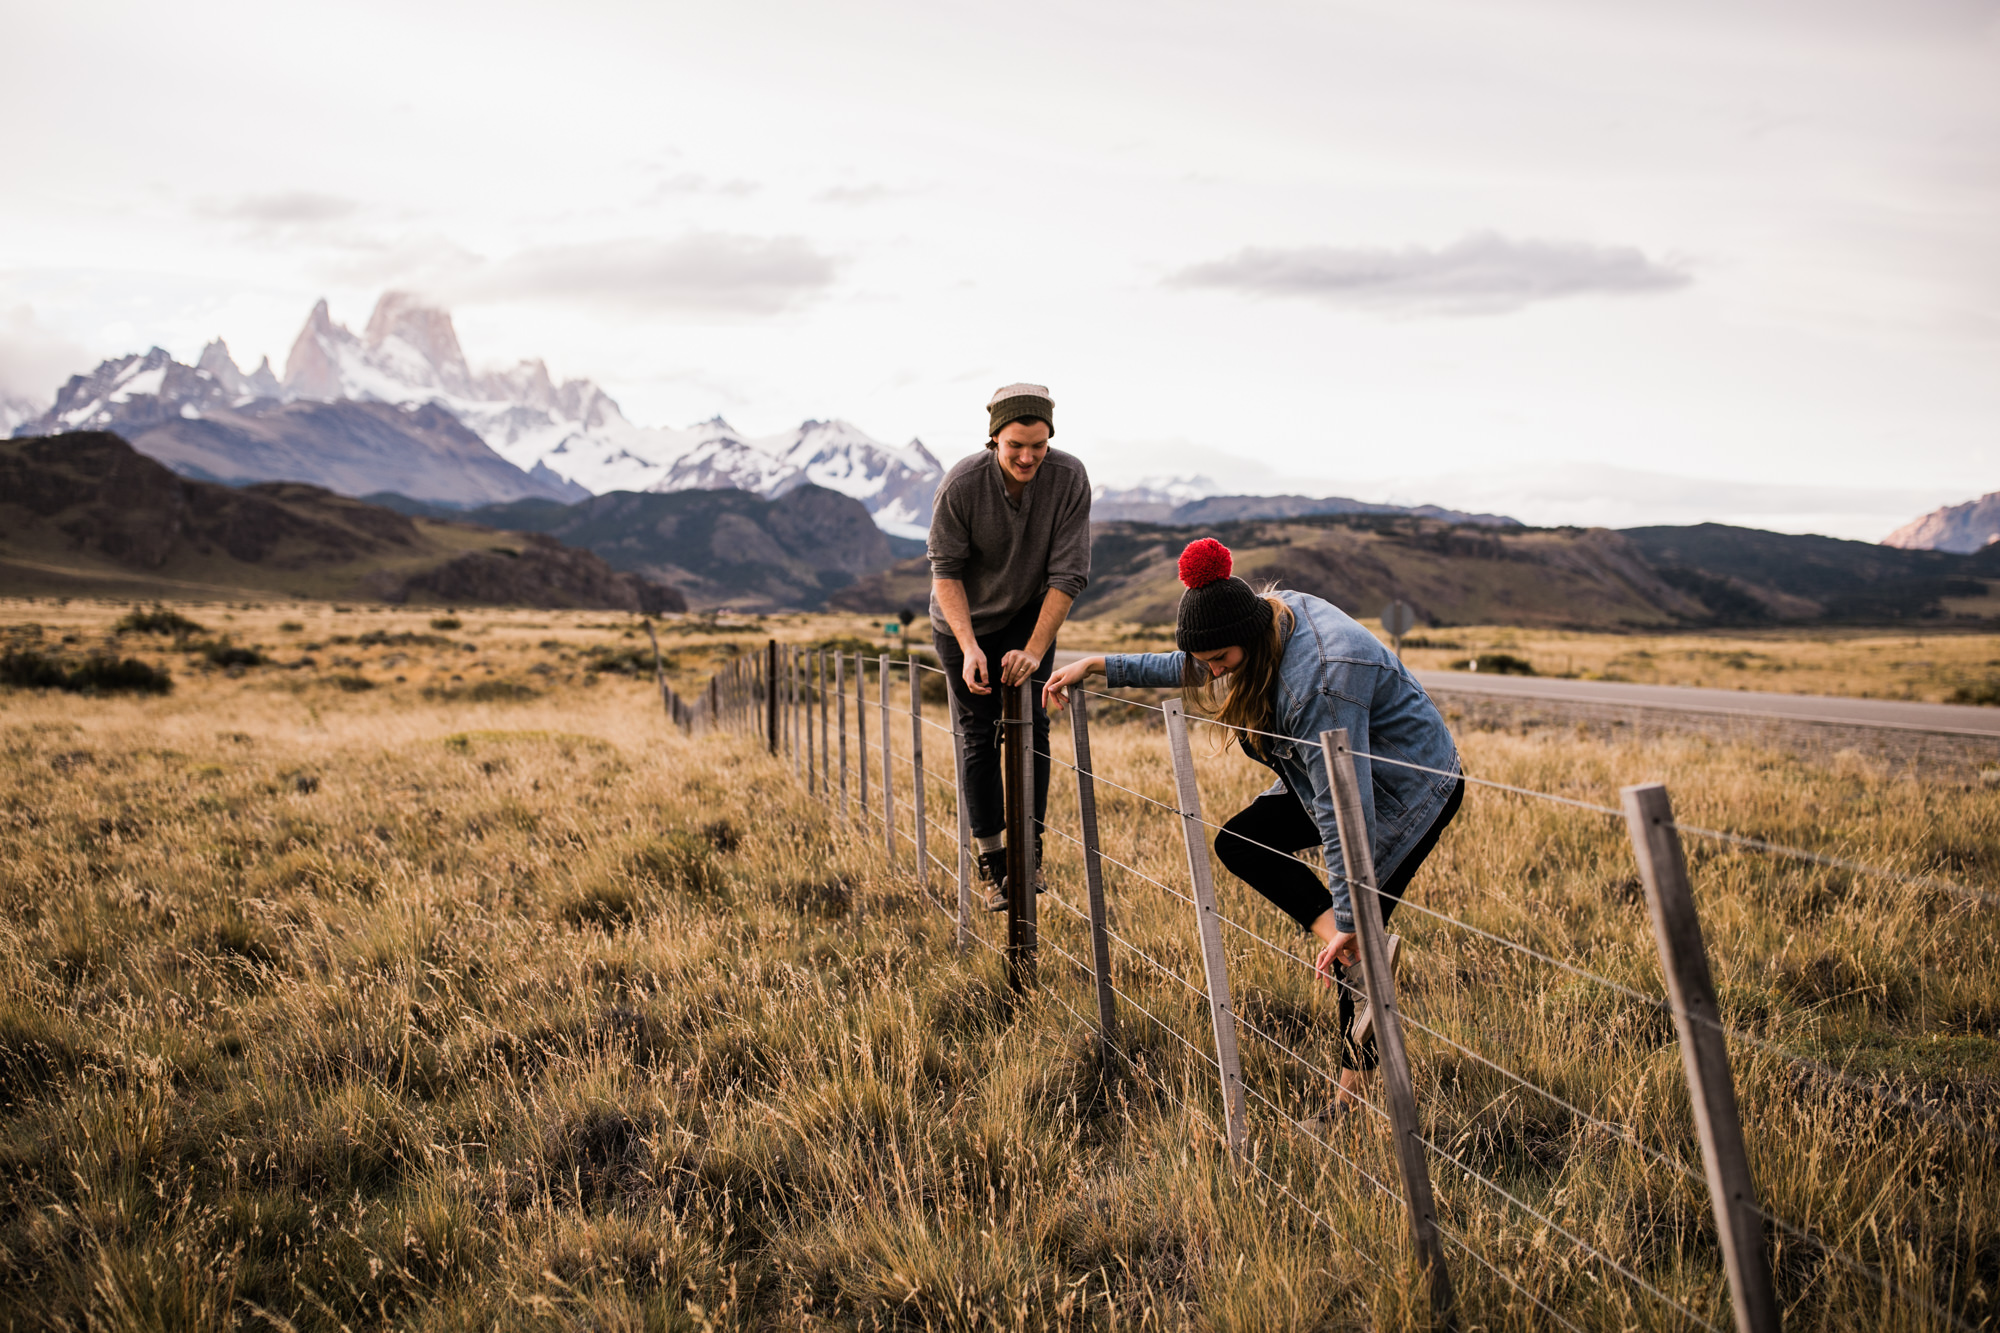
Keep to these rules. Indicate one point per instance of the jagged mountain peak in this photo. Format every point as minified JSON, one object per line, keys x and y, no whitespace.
{"x":426,"y":330}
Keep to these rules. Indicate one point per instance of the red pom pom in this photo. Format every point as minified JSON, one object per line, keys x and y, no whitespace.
{"x":1204,"y":562}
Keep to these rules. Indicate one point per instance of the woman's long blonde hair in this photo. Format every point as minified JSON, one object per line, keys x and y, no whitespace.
{"x":1248,"y":703}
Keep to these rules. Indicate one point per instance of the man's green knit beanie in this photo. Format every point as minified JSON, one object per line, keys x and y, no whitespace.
{"x":1017,"y":401}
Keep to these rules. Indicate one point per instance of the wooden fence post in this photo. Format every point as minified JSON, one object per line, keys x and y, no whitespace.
{"x":659,"y":670}
{"x":792,"y":707}
{"x":1358,"y":858}
{"x":1017,"y":767}
{"x":840,"y":708}
{"x":825,"y":735}
{"x":861,"y":732}
{"x":771,"y":694}
{"x":963,"y":936}
{"x":888,"y":765}
{"x":1214,"y":964}
{"x":1093,"y":875}
{"x":1649,"y":815}
{"x":806,"y":715}
{"x":917,"y":778}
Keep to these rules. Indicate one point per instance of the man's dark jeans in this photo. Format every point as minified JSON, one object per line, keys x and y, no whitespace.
{"x":978,"y":716}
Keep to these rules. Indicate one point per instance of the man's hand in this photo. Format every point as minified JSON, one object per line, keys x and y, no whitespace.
{"x":975,"y":669}
{"x":1017,"y":666}
{"x":1340,"y":949}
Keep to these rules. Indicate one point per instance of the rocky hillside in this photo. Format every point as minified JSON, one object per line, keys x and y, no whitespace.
{"x":1456,"y":574}
{"x":86,"y":514}
{"x":1964,"y":528}
{"x":723,"y":548}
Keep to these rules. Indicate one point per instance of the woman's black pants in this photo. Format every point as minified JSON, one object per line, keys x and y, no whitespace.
{"x":1255,"y":843}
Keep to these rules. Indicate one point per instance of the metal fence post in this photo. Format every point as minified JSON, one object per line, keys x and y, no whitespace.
{"x":1093,"y":875}
{"x":1358,"y":863}
{"x":840,"y":710}
{"x":1017,"y":767}
{"x":917,"y":779}
{"x":861,"y":732}
{"x":1649,"y":815}
{"x":888,"y":765}
{"x":1214,"y":964}
{"x":963,"y":936}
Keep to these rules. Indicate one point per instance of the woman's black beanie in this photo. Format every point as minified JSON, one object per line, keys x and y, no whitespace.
{"x":1218,"y":610}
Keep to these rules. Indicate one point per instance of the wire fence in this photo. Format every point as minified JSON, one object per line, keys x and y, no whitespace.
{"x":863,"y":753}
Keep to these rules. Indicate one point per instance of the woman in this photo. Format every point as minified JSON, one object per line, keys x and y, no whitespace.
{"x":1279,"y":669}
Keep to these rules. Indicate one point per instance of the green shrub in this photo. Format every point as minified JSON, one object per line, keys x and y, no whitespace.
{"x":96,"y":674}
{"x":290,"y":626}
{"x":221,"y":652}
{"x":447,"y":622}
{"x":351,"y":682}
{"x":1497,"y":664}
{"x":500,"y":691}
{"x":632,"y":661}
{"x":376,"y":638}
{"x":159,"y":620}
{"x":1978,"y":692}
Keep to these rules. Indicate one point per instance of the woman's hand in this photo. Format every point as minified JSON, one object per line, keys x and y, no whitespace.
{"x":1340,"y":949}
{"x":1055,"y":694}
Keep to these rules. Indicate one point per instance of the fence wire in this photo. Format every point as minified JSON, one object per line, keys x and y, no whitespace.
{"x":751,"y":714}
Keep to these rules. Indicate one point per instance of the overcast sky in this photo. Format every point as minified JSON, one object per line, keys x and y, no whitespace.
{"x":1515,"y":256}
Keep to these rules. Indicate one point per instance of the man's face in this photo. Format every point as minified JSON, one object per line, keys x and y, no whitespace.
{"x":1022,"y":447}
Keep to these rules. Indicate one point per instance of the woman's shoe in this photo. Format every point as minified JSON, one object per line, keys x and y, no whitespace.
{"x":1364,"y":1022}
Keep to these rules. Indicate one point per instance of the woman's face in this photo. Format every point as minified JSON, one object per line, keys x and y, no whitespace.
{"x":1220,"y":661}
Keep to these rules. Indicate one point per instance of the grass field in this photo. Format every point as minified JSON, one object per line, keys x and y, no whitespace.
{"x":417,"y":1005}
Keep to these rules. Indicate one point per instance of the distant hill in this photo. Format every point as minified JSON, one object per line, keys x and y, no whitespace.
{"x":723,"y":547}
{"x":1964,"y":528}
{"x":1748,"y":576}
{"x":1454,"y":574}
{"x":86,"y":514}
{"x":1143,"y":504}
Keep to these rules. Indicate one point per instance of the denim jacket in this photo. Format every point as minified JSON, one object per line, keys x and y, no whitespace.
{"x":1337,"y":674}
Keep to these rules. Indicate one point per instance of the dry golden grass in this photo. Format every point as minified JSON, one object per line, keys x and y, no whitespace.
{"x":330,"y":1008}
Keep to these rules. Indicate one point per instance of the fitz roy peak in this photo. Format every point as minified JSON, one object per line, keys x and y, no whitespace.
{"x":409,"y":354}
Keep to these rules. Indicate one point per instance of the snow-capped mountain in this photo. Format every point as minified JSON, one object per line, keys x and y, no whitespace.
{"x":1149,"y":500}
{"x":409,"y":353}
{"x":1963,"y":529}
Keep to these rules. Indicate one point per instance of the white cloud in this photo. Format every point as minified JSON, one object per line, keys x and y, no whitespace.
{"x":35,"y":360}
{"x":280,"y":208}
{"x":701,"y":272}
{"x":1484,"y":273}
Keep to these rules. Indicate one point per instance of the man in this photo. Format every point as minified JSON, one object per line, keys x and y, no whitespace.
{"x":1009,"y":553}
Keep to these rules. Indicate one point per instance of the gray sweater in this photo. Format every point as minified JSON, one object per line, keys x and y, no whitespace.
{"x":1003,"y":552}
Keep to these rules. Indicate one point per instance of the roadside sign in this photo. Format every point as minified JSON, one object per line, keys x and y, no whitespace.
{"x":1398,"y":619}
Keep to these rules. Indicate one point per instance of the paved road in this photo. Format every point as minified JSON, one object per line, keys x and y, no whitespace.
{"x":1956,"y":719}
{"x":1951,"y":719}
